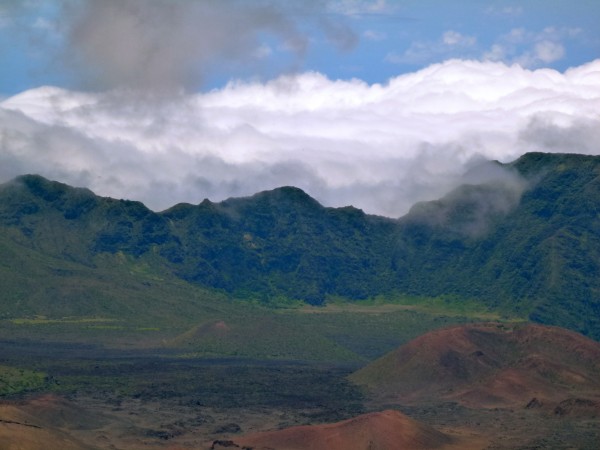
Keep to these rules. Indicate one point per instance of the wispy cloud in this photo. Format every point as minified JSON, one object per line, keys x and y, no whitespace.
{"x":451,"y":44}
{"x":531,"y":49}
{"x":361,"y":7}
{"x":373,"y":35}
{"x":454,"y":38}
{"x":504,"y":11}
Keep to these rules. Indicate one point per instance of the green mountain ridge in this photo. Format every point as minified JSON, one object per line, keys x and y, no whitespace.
{"x":526,"y":243}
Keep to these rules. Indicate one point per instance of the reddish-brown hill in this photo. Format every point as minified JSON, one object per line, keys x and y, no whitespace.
{"x":488,"y":365}
{"x":36,"y":424}
{"x":387,"y":430}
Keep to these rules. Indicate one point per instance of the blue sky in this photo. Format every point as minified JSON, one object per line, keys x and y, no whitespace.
{"x":370,"y":40}
{"x":372,"y":103}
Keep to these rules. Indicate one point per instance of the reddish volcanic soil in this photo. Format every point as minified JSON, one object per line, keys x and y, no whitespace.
{"x":387,"y":430}
{"x":34,"y":425}
{"x":488,"y":366}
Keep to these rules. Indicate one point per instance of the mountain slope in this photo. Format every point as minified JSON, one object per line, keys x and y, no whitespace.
{"x":540,"y":257}
{"x":280,"y":242}
{"x":525,"y":241}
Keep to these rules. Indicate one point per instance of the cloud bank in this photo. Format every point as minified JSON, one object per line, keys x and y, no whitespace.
{"x":378,"y":147}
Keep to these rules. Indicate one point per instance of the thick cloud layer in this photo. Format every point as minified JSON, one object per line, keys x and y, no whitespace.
{"x":377,"y":147}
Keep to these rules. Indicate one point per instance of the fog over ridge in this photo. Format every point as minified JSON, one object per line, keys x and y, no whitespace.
{"x":381,"y":148}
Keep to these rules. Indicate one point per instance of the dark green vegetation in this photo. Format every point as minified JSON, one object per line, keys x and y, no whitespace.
{"x":540,"y":257}
{"x":15,"y":381}
{"x":525,"y":245}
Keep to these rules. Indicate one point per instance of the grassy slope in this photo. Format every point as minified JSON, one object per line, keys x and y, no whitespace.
{"x":123,"y":301}
{"x":115,"y":287}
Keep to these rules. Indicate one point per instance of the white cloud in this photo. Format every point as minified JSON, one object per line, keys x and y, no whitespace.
{"x":454,"y":38}
{"x":378,"y":147}
{"x":548,"y":51}
{"x":451,"y":44}
{"x":531,"y":49}
{"x":496,"y":52}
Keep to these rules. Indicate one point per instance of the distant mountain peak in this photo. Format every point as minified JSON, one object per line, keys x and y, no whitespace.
{"x":279,"y":198}
{"x":290,"y":193}
{"x":38,"y":183}
{"x":48,"y":190}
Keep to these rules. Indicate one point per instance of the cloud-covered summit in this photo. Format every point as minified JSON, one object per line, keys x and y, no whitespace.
{"x":380,"y":147}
